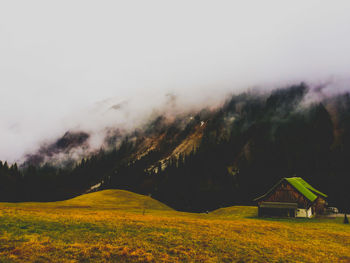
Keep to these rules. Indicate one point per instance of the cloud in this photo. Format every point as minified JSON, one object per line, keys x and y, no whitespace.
{"x":59,"y":58}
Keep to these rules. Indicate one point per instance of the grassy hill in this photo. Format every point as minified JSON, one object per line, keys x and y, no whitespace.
{"x":115,"y":199}
{"x":121,"y":226}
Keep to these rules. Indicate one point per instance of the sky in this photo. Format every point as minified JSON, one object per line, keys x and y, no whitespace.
{"x":60,"y":60}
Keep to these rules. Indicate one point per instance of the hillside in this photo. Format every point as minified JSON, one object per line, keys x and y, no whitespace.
{"x":203,"y":160}
{"x":114,"y":199}
{"x":113,"y":226}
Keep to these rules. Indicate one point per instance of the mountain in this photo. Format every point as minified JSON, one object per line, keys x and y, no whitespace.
{"x":203,"y":160}
{"x":69,"y":142}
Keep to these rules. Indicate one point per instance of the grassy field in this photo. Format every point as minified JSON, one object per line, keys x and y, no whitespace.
{"x":120,"y":226}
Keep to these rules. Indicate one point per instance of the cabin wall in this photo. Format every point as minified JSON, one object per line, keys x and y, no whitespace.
{"x":301,"y":212}
{"x":286,"y":193}
{"x":319,"y":205}
{"x":309,"y":213}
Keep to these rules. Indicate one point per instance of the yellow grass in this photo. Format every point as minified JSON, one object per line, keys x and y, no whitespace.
{"x":120,"y":226}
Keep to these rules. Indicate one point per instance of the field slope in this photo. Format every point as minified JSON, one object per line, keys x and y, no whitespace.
{"x":120,"y":226}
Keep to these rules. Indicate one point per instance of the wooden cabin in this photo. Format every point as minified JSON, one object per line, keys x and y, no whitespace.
{"x":291,"y":197}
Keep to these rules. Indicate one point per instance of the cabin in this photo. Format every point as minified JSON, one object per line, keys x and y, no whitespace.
{"x":291,"y":197}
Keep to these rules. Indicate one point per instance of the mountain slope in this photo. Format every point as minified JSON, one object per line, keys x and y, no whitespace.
{"x":212,"y":158}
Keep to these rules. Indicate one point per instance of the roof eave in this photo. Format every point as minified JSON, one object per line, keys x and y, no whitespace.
{"x":270,"y":190}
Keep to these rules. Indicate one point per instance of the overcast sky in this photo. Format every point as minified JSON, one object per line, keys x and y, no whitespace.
{"x":58,"y":58}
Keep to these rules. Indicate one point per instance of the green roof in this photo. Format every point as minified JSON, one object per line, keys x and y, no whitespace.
{"x":301,"y":186}
{"x":304,"y":188}
{"x":310,"y":187}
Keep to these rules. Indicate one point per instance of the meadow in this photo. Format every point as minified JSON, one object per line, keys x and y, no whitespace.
{"x":120,"y":226}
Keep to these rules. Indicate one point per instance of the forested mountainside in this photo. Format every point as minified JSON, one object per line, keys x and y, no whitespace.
{"x":205,"y":160}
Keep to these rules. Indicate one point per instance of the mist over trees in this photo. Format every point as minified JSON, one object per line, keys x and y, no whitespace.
{"x":246,"y":146}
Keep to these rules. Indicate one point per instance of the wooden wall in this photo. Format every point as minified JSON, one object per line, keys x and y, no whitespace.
{"x":319,"y":205}
{"x":286,"y":193}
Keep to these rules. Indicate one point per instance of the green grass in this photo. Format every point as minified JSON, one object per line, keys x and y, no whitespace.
{"x":119,"y":226}
{"x":107,"y":199}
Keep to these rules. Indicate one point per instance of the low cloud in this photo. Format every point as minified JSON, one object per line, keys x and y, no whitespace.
{"x":88,"y":66}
